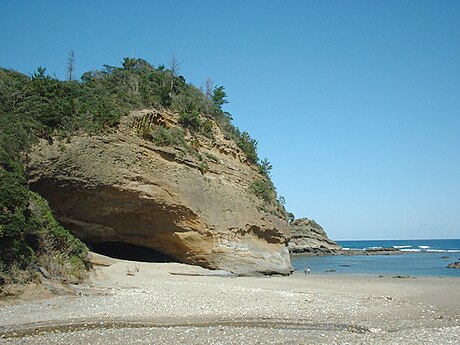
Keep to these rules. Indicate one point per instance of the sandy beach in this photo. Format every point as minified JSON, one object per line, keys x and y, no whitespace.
{"x":169,"y":303}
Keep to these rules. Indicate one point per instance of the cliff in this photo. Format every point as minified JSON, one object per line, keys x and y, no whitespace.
{"x":308,"y":237}
{"x":191,"y":201}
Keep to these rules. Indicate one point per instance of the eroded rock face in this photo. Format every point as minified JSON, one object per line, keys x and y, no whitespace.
{"x":195,"y":209}
{"x":308,"y":237}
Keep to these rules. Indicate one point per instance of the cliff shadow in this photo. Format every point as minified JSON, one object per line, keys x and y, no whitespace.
{"x":127,"y":251}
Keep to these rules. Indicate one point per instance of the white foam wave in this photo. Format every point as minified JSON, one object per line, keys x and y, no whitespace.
{"x":424,"y":247}
{"x":414,"y":250}
{"x":402,"y":247}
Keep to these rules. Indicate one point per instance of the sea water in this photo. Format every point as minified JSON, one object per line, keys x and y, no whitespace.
{"x":419,"y":258}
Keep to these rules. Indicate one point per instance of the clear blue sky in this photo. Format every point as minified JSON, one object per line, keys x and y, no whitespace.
{"x":355,"y":103}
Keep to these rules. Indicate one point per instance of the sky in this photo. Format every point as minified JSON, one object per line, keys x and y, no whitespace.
{"x":355,"y":103}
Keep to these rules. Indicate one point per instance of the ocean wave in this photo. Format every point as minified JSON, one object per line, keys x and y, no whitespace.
{"x":442,"y":251}
{"x":435,"y":248}
{"x":414,"y":250}
{"x":406,"y":248}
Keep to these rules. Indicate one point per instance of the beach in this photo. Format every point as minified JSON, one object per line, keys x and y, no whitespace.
{"x":127,"y":302}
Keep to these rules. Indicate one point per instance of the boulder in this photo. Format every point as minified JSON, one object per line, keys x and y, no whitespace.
{"x":192,"y":204}
{"x":454,"y":265}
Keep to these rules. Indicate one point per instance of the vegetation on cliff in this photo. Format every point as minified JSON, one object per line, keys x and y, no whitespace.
{"x":29,"y":235}
{"x":40,"y":106}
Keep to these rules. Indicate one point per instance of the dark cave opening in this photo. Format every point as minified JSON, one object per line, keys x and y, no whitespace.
{"x":132,"y":252}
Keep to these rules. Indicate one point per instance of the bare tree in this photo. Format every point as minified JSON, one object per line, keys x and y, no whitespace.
{"x":71,"y":65}
{"x":174,"y":68}
{"x":208,"y":88}
{"x":174,"y":65}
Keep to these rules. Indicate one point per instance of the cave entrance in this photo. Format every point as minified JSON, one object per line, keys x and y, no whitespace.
{"x":132,"y":252}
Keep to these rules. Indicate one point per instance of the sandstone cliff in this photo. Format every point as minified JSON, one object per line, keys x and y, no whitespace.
{"x":308,"y":237}
{"x":192,"y":204}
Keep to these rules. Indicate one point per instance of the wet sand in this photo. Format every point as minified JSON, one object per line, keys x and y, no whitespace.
{"x":155,"y":303}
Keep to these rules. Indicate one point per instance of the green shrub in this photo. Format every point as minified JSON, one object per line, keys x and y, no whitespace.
{"x":28,"y":232}
{"x":249,"y":147}
{"x":15,"y":217}
{"x":206,"y":128}
{"x":265,"y":167}
{"x":203,"y":167}
{"x":212,"y":157}
{"x":263,"y":190}
{"x":30,"y":235}
{"x":59,"y":251}
{"x":174,"y":136}
{"x":190,"y":119}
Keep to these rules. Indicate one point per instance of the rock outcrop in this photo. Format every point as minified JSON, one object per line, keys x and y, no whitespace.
{"x":190,"y":203}
{"x":373,"y":251}
{"x":308,"y":237}
{"x":454,"y":265}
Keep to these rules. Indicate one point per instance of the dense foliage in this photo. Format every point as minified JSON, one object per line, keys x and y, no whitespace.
{"x":40,"y":106}
{"x":29,"y":235}
{"x":97,"y":102}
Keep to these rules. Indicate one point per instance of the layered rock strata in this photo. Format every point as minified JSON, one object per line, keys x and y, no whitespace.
{"x":192,"y":204}
{"x":308,"y":237}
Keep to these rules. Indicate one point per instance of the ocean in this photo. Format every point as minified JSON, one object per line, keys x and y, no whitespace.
{"x":421,"y":258}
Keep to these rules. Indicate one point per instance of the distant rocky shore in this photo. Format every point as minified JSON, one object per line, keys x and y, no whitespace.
{"x":373,"y":251}
{"x":309,"y":238}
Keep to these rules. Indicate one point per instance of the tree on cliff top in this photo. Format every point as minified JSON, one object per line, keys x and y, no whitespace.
{"x":219,"y":97}
{"x":71,"y":66}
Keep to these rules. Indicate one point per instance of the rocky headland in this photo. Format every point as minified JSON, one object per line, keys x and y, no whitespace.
{"x":138,"y":164}
{"x":309,"y":238}
{"x":192,"y":203}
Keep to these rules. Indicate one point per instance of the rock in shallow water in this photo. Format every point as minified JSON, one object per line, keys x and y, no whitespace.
{"x":454,"y":265}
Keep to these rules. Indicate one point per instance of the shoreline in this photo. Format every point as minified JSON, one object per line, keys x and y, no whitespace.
{"x":420,"y":264}
{"x":174,"y":303}
{"x":357,"y":252}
